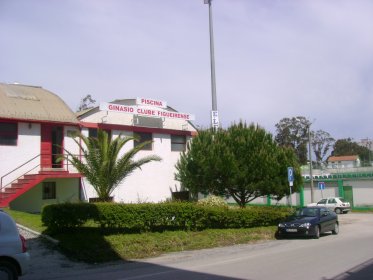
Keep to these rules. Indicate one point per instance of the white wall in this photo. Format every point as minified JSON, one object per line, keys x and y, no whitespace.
{"x":362,"y":192}
{"x":128,"y":119}
{"x":344,"y":164}
{"x":70,"y":145}
{"x":331,"y":190}
{"x":28,"y":146}
{"x":154,"y":181}
{"x":67,"y":190}
{"x":293,"y":200}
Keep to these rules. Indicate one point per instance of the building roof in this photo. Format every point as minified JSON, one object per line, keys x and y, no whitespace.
{"x":33,"y":103}
{"x":342,"y":158}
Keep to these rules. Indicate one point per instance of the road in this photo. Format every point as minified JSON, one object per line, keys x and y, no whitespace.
{"x":348,"y":255}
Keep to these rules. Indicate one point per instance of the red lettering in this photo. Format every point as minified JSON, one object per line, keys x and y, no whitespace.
{"x":151,"y":102}
{"x":120,"y":108}
{"x":145,"y":112}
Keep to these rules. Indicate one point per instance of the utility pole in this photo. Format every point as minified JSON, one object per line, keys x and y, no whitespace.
{"x":214,"y":111}
{"x":310,"y":159}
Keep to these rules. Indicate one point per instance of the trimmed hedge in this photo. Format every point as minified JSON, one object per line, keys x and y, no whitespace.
{"x":67,"y":215}
{"x":158,"y":217}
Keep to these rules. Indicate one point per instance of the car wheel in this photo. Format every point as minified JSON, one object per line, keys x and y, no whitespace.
{"x":278,"y":235}
{"x":336,"y":229}
{"x":338,"y":211}
{"x":317,"y":232}
{"x":8,"y":270}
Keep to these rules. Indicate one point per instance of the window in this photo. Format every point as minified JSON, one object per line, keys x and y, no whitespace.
{"x":178,"y":143}
{"x":323,"y":212}
{"x":8,"y":134}
{"x":143,"y":137}
{"x":49,"y":190}
{"x":92,"y":132}
{"x":72,"y":133}
{"x":332,"y":200}
{"x":322,"y":201}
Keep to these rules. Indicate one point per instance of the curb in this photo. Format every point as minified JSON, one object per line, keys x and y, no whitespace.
{"x":55,"y":241}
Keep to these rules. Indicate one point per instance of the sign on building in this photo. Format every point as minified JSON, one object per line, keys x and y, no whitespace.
{"x":151,"y":102}
{"x":146,"y":111}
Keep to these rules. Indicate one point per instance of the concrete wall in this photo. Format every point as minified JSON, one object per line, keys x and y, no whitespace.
{"x":70,"y":145}
{"x":331,"y":189}
{"x":293,"y":200}
{"x":362,"y":192}
{"x":67,"y":190}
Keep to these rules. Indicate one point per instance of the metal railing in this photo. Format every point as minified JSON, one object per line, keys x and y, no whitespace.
{"x":335,"y":171}
{"x":30,"y":165}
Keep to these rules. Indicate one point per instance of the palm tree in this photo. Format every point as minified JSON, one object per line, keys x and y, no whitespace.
{"x":101,"y":164}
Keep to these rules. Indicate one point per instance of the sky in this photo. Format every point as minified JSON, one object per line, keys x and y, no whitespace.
{"x":273,"y":58}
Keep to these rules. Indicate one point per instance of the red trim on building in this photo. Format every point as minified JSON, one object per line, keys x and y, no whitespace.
{"x":37,"y":121}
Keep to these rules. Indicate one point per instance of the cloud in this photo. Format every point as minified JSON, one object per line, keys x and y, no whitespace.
{"x":274,"y":59}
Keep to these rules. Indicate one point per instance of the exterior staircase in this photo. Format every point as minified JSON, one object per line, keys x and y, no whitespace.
{"x":27,"y":182}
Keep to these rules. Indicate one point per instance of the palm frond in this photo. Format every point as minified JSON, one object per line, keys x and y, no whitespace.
{"x":100,"y":162}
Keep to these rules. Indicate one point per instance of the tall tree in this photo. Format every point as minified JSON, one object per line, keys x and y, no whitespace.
{"x":347,"y":147}
{"x":322,"y":141}
{"x":243,"y":162}
{"x":86,"y":103}
{"x":293,"y":132}
{"x":102,"y":165}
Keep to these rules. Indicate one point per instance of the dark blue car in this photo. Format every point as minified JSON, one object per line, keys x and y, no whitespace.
{"x":309,"y":222}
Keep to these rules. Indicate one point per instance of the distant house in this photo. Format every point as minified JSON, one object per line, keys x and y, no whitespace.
{"x":343,"y":161}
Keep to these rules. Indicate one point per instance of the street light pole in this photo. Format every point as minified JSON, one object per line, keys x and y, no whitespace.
{"x":310,"y":158}
{"x":214,"y":111}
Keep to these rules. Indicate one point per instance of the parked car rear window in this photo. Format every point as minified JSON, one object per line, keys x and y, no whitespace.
{"x":322,"y":201}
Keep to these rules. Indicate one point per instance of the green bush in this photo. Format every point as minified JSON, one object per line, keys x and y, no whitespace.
{"x":67,"y":215}
{"x":159,"y":217}
{"x":151,"y":217}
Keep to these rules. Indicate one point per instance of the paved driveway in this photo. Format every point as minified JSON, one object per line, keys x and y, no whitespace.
{"x":47,"y":263}
{"x":45,"y":259}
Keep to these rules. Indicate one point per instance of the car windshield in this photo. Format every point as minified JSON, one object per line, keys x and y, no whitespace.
{"x":307,"y":212}
{"x":342,"y":199}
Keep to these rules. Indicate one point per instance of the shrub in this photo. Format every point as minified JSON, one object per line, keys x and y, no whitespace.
{"x":159,"y":217}
{"x":67,"y":215}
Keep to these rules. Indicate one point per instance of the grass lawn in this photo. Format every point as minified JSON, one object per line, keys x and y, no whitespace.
{"x":90,"y":244}
{"x":32,"y":221}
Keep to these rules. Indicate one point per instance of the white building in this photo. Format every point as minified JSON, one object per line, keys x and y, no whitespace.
{"x":149,"y":120}
{"x":343,"y":161}
{"x":36,"y":126}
